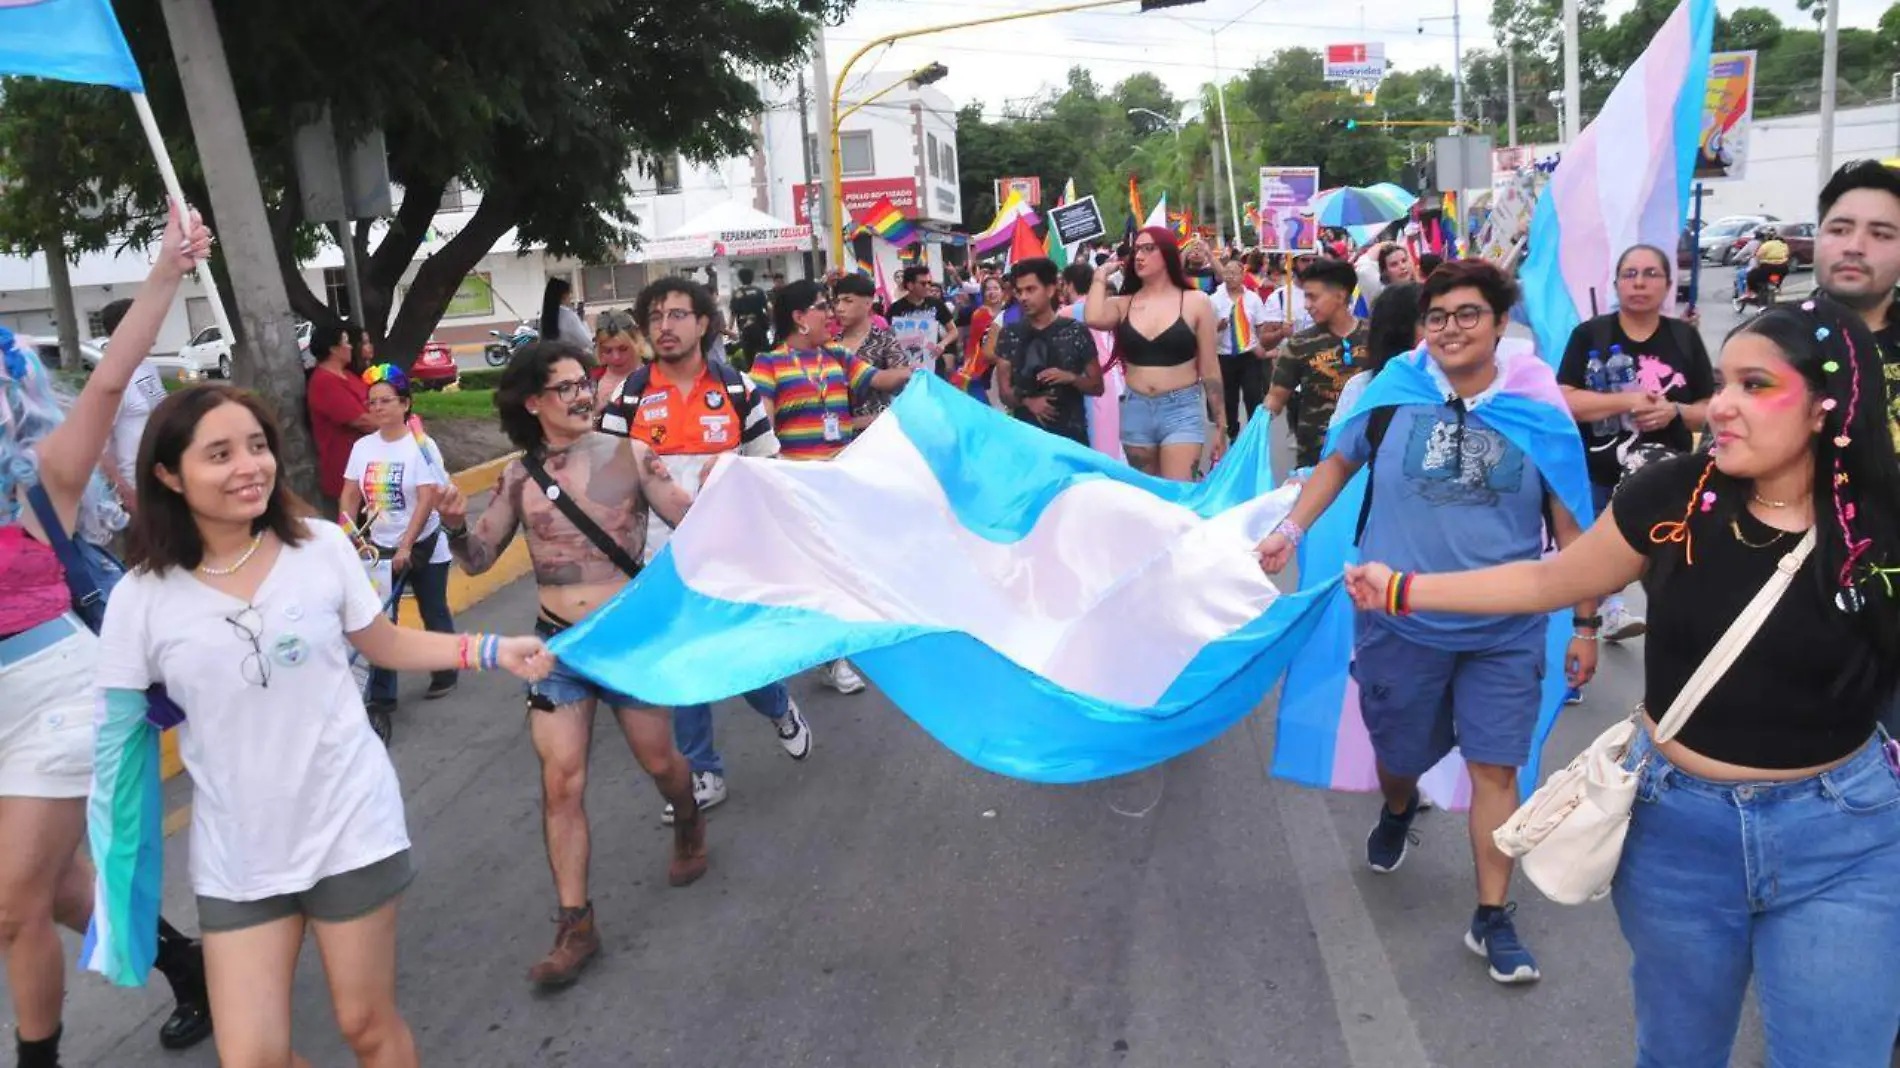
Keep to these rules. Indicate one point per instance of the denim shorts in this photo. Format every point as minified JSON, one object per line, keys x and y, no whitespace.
{"x":1418,"y":702}
{"x":1178,"y":417}
{"x":565,"y":686}
{"x":338,"y":898}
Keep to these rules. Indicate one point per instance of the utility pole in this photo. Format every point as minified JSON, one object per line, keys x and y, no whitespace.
{"x":1457,"y":70}
{"x":804,"y":155}
{"x":1573,"y":77}
{"x":267,"y":361}
{"x":1510,"y":94}
{"x":821,"y":77}
{"x":1830,"y":70}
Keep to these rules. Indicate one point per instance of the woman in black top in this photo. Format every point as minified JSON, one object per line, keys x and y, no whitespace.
{"x":1765,"y":842}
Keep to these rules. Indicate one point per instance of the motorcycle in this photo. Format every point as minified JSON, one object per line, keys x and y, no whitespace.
{"x":1765,"y":295}
{"x":498,"y":351}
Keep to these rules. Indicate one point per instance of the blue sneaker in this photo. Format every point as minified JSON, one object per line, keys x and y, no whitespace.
{"x":1573,"y":696}
{"x":1495,"y":939}
{"x":1391,"y":837}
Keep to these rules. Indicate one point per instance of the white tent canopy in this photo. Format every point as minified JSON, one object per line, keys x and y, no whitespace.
{"x":728,"y":229}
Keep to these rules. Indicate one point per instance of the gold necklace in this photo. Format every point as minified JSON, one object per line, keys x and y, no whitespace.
{"x":1735,"y":527}
{"x":1766,"y":503}
{"x":257,"y":540}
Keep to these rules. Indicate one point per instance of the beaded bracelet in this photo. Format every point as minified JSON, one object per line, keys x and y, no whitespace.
{"x":1398,"y":594}
{"x":491,"y":652}
{"x":461,"y":655}
{"x":1291,"y":531}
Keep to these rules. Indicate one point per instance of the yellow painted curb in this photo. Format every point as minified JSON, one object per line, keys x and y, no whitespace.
{"x":465,"y":592}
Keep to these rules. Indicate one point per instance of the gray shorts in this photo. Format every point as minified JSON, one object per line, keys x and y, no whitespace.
{"x":350,"y":895}
{"x":1418,"y":702}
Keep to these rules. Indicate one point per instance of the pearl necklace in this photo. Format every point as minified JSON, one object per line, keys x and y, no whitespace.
{"x":257,"y":540}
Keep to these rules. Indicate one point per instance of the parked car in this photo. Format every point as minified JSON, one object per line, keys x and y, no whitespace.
{"x":1800,"y":240}
{"x":90,"y":352}
{"x":1718,"y":238}
{"x":207,"y":354}
{"x":435,"y":368}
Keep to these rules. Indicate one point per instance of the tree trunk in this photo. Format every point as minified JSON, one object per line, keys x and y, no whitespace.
{"x":441,"y":274}
{"x":266,"y":360}
{"x":65,"y":312}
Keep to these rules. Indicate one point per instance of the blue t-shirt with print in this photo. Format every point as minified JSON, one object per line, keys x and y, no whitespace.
{"x":1450,"y":494}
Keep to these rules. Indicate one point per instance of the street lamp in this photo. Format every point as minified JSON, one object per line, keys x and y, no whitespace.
{"x":1171,"y":124}
{"x":837,"y":88}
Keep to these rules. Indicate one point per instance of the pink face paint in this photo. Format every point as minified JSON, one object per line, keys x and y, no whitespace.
{"x":1777,"y":396}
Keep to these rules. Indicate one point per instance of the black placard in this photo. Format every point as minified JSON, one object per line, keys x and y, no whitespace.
{"x":1077,"y":222}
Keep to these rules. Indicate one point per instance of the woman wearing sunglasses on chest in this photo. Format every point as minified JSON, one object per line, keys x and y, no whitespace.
{"x":245,"y":609}
{"x":1763,"y":841}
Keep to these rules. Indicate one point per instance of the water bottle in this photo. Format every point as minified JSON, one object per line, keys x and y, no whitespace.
{"x":1621,"y":371}
{"x":1596,"y":380}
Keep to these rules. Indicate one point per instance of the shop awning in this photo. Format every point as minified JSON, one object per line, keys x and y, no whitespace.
{"x":729,"y":229}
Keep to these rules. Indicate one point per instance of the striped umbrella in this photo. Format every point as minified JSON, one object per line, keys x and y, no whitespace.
{"x":1354,"y":205}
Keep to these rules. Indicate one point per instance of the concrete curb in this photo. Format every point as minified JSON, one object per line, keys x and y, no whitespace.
{"x":465,"y":591}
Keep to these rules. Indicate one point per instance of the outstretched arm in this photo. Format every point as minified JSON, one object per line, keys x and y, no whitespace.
{"x":668,"y":498}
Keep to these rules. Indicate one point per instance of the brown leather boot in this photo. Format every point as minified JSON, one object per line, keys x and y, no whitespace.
{"x":576,"y":942}
{"x":689,"y":846}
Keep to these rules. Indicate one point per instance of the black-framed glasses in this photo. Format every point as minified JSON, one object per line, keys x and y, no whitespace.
{"x":1654,"y":274}
{"x":249,"y":624}
{"x":1465,"y":315}
{"x":676,"y":315}
{"x":570,"y":390}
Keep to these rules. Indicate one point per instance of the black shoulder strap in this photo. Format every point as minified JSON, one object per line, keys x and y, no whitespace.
{"x":89,"y":602}
{"x":736,"y":390}
{"x":1682,"y":334}
{"x":575,"y":515}
{"x":1600,"y":334}
{"x":1377,"y":424}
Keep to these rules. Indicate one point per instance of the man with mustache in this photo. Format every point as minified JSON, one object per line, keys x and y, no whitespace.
{"x":582,"y":499}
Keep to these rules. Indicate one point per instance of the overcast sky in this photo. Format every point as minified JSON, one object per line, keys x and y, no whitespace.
{"x":1014,"y":61}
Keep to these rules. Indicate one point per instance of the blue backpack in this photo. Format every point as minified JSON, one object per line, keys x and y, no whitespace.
{"x":91,"y":573}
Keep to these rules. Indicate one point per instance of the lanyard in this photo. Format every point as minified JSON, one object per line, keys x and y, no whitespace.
{"x":821,"y":383}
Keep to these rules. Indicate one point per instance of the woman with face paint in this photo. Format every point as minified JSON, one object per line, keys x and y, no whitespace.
{"x":1764,"y":845}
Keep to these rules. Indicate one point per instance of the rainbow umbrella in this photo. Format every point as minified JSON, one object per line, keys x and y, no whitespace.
{"x":1371,"y":205}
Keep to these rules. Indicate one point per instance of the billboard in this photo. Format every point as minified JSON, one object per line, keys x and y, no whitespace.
{"x":1030,"y":188}
{"x":1355,"y":62}
{"x":1286,"y":209}
{"x":859,"y":194}
{"x":1722,"y":149}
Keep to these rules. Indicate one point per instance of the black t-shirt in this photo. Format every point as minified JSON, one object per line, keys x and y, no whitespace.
{"x":1657,"y":364}
{"x":1064,"y":344}
{"x":1805,"y":690}
{"x":1889,"y":339}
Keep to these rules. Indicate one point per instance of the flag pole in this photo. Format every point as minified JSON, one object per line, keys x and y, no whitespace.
{"x":176,"y":193}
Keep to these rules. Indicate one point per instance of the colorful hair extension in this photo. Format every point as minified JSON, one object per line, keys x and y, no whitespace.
{"x":31,"y":406}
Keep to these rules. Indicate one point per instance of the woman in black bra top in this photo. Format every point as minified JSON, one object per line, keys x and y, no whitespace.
{"x":1164,"y":339}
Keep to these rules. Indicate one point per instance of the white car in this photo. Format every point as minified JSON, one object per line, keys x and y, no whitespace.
{"x":90,"y":352}
{"x":207,"y":354}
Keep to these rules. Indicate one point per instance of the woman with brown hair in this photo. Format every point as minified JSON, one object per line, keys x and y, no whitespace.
{"x":245,"y":608}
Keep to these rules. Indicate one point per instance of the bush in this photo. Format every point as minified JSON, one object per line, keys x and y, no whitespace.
{"x":465,"y":403}
{"x":486,"y":378}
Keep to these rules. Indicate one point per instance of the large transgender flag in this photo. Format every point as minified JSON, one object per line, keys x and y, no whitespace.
{"x":1320,"y":736}
{"x":1624,"y":182}
{"x":1044,"y":611}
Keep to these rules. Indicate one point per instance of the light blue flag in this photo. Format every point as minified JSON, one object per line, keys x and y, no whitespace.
{"x":67,"y":41}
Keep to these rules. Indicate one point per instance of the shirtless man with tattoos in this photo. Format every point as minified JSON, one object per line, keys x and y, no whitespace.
{"x":546,"y":401}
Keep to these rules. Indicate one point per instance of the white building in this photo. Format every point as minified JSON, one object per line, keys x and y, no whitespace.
{"x":1783,"y":172}
{"x":746,"y":211}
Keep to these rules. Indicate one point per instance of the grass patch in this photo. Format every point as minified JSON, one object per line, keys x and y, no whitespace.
{"x":485,"y":378}
{"x":460,"y":404}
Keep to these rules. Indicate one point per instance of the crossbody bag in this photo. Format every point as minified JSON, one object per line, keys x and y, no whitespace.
{"x":1568,"y":837}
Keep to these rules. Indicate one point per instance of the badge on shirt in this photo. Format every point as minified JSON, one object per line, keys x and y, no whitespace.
{"x":834,"y":431}
{"x":652,"y":398}
{"x":290,"y":650}
{"x":653,"y":415}
{"x":715,"y":399}
{"x":717,"y":429}
{"x":613,"y":423}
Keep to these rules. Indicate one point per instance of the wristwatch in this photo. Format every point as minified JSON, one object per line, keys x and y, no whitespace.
{"x":1586,"y":622}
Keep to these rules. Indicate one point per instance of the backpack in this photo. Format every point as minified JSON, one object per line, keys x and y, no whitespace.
{"x":1377,"y":424}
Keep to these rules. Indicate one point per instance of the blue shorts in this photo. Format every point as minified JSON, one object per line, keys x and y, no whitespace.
{"x":565,"y":686}
{"x":1178,"y":417}
{"x":1418,"y":702}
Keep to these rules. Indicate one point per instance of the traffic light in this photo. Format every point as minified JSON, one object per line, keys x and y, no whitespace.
{"x":1342,"y":124}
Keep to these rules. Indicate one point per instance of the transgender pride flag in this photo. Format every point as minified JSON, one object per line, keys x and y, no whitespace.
{"x":1624,"y":182}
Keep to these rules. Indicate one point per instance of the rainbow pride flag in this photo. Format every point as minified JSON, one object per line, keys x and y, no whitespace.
{"x":887,"y":221}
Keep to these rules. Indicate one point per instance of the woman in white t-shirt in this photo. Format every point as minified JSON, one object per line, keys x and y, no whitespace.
{"x":245,"y":609}
{"x":390,"y":486}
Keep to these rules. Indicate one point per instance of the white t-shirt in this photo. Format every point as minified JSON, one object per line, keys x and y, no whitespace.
{"x":289,"y":783}
{"x":389,"y":473}
{"x":1250,"y":306}
{"x":135,"y":410}
{"x":1276,"y":308}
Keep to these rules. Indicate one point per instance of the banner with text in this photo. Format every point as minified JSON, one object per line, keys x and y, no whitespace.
{"x":1286,"y":209}
{"x":1077,"y":222}
{"x":1722,"y":151}
{"x":1355,"y":62}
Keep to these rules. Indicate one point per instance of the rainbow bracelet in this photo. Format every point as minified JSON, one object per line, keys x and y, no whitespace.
{"x":1398,"y":594}
{"x":491,"y":652}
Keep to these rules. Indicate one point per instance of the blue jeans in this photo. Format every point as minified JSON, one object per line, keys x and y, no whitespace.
{"x":1791,"y":884}
{"x":693,"y":725}
{"x":430,"y":584}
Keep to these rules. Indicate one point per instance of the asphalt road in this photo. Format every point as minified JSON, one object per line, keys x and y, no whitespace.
{"x":885,"y":904}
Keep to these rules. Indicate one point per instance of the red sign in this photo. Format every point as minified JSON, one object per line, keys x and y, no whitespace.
{"x":859,"y":194}
{"x":1346,"y":53}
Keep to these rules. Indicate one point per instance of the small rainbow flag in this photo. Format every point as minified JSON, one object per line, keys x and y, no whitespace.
{"x":1240,"y":328}
{"x":888,"y":222}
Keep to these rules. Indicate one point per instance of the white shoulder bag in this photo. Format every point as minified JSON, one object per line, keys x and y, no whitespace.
{"x":1569,"y":835}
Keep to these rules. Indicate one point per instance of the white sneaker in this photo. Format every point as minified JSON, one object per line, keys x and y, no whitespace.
{"x":709,"y":789}
{"x":793,"y":732}
{"x":840,"y":676}
{"x":1619,"y":625}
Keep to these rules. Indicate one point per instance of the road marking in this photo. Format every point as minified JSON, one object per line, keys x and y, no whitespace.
{"x":1374,"y":1017}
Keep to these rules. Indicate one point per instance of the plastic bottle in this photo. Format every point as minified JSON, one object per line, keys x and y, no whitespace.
{"x":1621,"y":372}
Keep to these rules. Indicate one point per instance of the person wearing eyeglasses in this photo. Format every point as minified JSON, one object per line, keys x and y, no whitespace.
{"x":809,"y":383}
{"x":1638,"y":383}
{"x":1462,"y":472}
{"x":390,"y":487}
{"x":245,"y":608}
{"x":581,"y":498}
